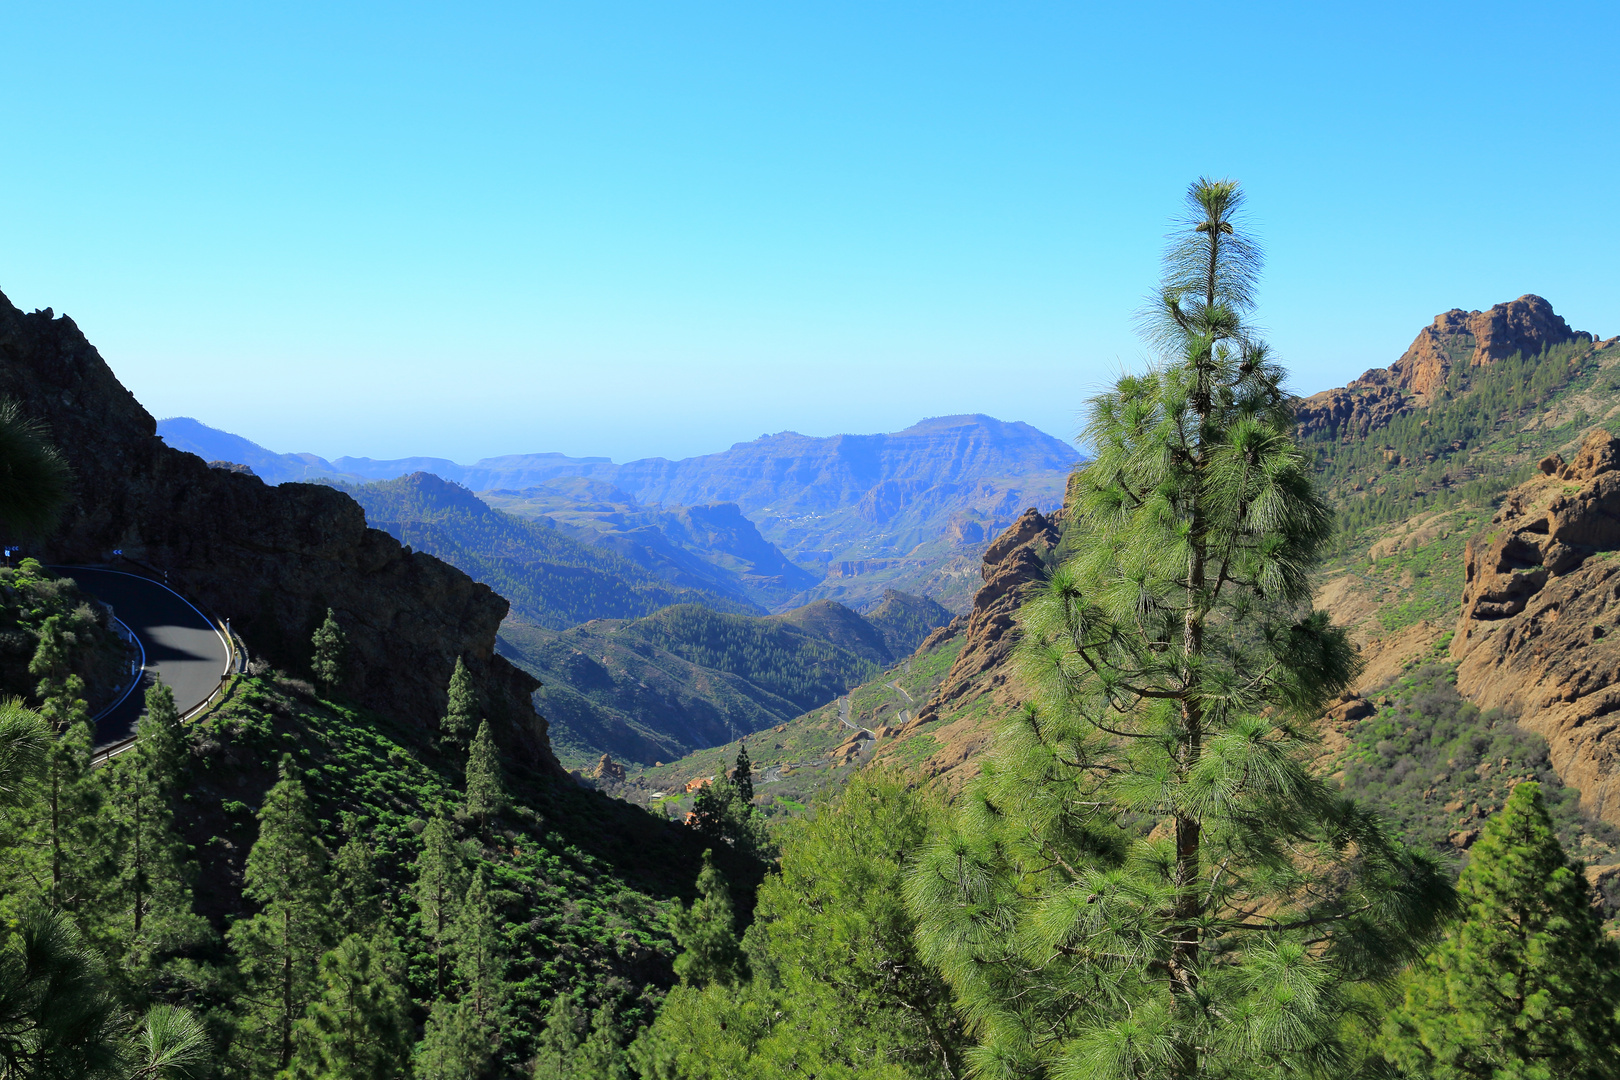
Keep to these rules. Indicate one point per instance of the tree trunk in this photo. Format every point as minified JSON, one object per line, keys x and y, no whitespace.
{"x":286,"y":988}
{"x":1184,"y":946}
{"x":56,"y":833}
{"x":140,"y":867}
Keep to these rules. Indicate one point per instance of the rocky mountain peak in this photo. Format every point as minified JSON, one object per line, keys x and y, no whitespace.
{"x":1527,"y":326}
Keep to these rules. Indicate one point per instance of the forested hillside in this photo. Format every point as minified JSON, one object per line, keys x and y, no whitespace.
{"x":183,"y":859}
{"x":655,"y":689}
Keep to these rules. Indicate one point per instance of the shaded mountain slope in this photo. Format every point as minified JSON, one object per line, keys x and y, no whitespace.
{"x":686,"y":677}
{"x":711,"y":547}
{"x":551,"y":579}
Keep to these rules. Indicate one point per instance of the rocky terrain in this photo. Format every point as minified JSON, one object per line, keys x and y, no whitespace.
{"x":1541,"y":601}
{"x":271,"y":559}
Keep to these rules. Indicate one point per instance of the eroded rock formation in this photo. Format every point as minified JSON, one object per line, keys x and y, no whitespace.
{"x":1540,"y":627}
{"x":271,"y":559}
{"x":1010,"y":565}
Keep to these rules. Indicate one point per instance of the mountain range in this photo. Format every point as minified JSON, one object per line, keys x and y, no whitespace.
{"x":1477,"y":566}
{"x":633,"y":665}
{"x":858,"y":514}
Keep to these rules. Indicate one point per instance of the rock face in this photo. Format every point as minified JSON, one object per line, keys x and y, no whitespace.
{"x":1540,"y":627}
{"x":1527,"y":325}
{"x":1011,"y":564}
{"x":271,"y":559}
{"x":1352,"y":411}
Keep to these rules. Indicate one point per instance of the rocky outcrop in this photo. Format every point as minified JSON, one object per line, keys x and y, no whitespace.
{"x":1527,"y":325}
{"x":271,"y":559}
{"x":1352,"y":411}
{"x":1539,"y":633}
{"x":1011,"y":564}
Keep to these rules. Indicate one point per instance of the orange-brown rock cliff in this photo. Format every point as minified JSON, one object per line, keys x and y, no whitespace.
{"x":1539,"y":632}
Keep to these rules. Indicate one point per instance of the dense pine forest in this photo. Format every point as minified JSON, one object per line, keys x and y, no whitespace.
{"x":1148,"y":877}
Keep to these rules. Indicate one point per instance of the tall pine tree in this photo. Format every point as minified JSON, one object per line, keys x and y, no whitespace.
{"x":455,"y":1045}
{"x":560,"y":1040}
{"x":463,"y":1036}
{"x":461,"y":716}
{"x":1148,"y":881}
{"x":441,"y":876}
{"x":357,"y":1028}
{"x":710,"y":952}
{"x":149,"y":912}
{"x":742,"y":775}
{"x":1525,"y":985}
{"x":330,"y":659}
{"x":356,"y":890}
{"x":279,"y":948}
{"x":69,"y":829}
{"x":480,"y":952}
{"x":486,"y":795}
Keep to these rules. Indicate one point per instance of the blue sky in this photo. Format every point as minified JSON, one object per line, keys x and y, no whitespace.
{"x":658,"y":229}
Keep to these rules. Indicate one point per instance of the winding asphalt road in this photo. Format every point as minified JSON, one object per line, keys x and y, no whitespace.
{"x":183,"y":648}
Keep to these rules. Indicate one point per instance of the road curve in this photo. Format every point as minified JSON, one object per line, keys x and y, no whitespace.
{"x":183,"y":648}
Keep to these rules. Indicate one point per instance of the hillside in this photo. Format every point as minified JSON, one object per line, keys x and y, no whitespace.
{"x":654,"y":689}
{"x":1470,"y":680}
{"x":575,"y":890}
{"x":905,"y":620}
{"x":551,"y":579}
{"x":712,"y":547}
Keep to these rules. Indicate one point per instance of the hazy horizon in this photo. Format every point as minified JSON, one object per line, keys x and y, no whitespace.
{"x":640,"y":230}
{"x":604,"y":457}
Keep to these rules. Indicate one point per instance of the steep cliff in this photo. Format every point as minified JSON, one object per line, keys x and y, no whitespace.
{"x":1541,"y":602}
{"x":271,"y":559}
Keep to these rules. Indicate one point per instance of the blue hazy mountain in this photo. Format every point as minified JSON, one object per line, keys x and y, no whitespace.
{"x":909,"y":510}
